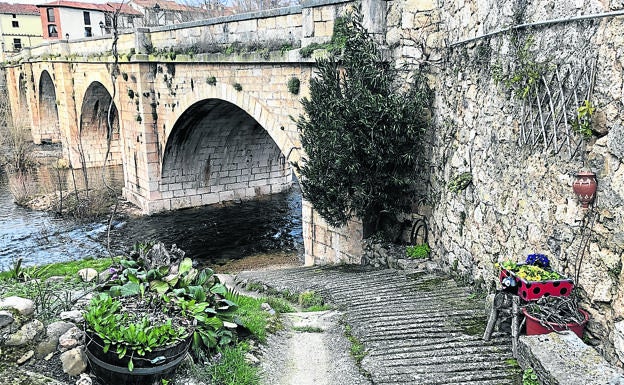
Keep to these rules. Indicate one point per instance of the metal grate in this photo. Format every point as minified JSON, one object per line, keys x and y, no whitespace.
{"x":551,"y":106}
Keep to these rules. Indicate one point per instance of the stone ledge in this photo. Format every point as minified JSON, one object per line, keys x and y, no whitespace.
{"x":564,"y":359}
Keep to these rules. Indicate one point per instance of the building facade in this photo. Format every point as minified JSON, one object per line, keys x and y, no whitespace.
{"x":73,"y":20}
{"x":20,"y":27}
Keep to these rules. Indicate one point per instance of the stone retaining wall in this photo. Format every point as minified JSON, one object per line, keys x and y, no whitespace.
{"x":520,"y":200}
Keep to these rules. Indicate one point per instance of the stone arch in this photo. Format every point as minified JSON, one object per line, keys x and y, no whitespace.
{"x":93,"y":127}
{"x":218,"y":152}
{"x":49,"y":126}
{"x":272,"y":123}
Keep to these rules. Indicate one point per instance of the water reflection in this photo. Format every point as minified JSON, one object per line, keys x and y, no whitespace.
{"x":211,"y":234}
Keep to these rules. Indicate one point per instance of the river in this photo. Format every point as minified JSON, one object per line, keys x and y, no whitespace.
{"x":210,"y":234}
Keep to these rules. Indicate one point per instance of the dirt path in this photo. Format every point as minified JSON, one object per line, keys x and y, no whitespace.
{"x":311,"y":349}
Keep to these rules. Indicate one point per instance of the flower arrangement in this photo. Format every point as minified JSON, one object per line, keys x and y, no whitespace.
{"x":534,"y":278}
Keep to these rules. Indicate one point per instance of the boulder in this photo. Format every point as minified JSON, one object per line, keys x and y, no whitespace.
{"x":26,"y":334}
{"x":72,"y":338}
{"x":88,"y":274}
{"x":74,"y":316}
{"x":74,"y":361}
{"x":50,"y":342}
{"x":23,"y":306}
{"x":6,"y":318}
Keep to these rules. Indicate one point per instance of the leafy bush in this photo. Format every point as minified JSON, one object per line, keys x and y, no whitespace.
{"x":364,"y":138}
{"x":294,"y":85}
{"x":418,"y":251}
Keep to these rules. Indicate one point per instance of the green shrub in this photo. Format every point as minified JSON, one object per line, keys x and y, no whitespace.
{"x":293,"y":85}
{"x":418,"y":251}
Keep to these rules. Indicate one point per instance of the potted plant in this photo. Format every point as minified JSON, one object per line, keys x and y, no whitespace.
{"x":553,"y":314}
{"x":149,"y":314}
{"x":534,"y":279}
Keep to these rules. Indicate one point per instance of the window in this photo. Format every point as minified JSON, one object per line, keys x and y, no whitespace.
{"x":50,"y":12}
{"x":52,"y":31}
{"x":17,"y":44}
{"x":14,"y":16}
{"x":88,"y":32}
{"x":87,"y":18}
{"x":15,"y":23}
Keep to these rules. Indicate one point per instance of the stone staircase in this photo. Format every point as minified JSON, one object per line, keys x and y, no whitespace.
{"x":419,"y":329}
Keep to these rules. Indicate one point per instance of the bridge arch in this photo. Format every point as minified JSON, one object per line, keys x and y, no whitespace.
{"x":218,"y":152}
{"x":49,"y":126}
{"x":277,"y":126}
{"x":93,"y":127}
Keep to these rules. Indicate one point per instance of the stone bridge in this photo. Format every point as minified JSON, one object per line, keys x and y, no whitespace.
{"x":189,"y":127}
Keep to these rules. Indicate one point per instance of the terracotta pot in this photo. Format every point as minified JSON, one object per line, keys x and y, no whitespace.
{"x":585,"y":187}
{"x":534,"y":327}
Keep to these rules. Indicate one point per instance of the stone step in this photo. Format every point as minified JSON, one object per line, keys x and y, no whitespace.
{"x":416,"y":330}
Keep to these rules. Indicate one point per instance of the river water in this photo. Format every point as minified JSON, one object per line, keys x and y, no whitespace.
{"x":211,"y":234}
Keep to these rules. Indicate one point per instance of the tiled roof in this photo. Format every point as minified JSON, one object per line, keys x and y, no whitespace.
{"x":19,"y":9}
{"x":108,"y":7}
{"x":165,"y":5}
{"x":74,"y":4}
{"x":125,"y":9}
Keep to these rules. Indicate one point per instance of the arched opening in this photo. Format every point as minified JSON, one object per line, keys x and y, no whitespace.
{"x":49,"y":131}
{"x":94,"y":132}
{"x":217,"y":152}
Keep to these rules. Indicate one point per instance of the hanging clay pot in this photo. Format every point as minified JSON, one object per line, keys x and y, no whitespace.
{"x":585,"y":187}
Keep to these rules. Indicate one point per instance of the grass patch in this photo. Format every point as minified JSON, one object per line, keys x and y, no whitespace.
{"x":229,"y":367}
{"x":67,"y":269}
{"x":280,"y":305}
{"x":311,"y":301}
{"x":357,"y":350}
{"x":308,"y":329}
{"x":251,"y":315}
{"x":317,"y":308}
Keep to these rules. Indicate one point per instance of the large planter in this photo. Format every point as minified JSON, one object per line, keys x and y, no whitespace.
{"x":585,"y":187}
{"x":534,"y":290}
{"x":148,"y":369}
{"x":534,"y":327}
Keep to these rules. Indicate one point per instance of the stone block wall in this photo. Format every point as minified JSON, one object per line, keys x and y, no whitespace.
{"x":329,"y":245}
{"x":520,"y":200}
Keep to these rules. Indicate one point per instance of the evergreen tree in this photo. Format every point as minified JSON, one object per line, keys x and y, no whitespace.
{"x":364,"y":139}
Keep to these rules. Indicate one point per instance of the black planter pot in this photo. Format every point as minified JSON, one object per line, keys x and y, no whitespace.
{"x":148,"y":369}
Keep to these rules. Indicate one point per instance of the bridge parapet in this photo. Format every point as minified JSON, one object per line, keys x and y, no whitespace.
{"x":282,"y":29}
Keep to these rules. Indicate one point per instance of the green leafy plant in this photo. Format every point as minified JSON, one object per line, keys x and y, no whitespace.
{"x":526,"y":73}
{"x":460,"y":182}
{"x":237,"y":87}
{"x":364,"y":138}
{"x":338,"y":40}
{"x":418,"y":251}
{"x":293,"y":85}
{"x":211,"y":80}
{"x":182,"y":290}
{"x":128,"y":332}
{"x":581,"y":124}
{"x":529,"y":377}
{"x":529,"y":272}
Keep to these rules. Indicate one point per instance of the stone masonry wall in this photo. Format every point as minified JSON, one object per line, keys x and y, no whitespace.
{"x":520,"y":200}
